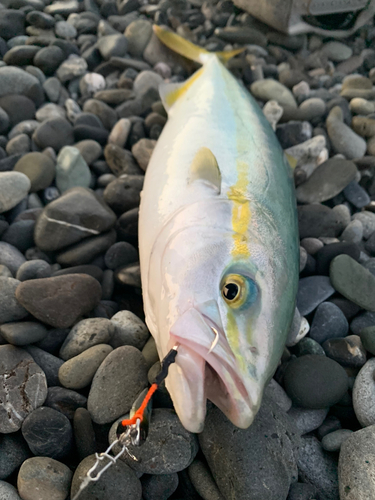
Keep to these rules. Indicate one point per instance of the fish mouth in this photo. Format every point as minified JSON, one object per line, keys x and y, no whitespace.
{"x":202,"y":372}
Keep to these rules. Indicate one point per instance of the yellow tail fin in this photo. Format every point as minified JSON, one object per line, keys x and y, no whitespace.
{"x":188,"y":49}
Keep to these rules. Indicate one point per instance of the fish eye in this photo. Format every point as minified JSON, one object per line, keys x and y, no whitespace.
{"x":233,"y":289}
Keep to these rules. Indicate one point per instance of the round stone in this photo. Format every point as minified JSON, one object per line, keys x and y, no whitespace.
{"x":44,"y":478}
{"x":65,"y":401}
{"x":116,"y":384}
{"x":119,"y":481}
{"x":33,"y":269}
{"x":325,"y":256}
{"x":14,"y":186}
{"x":328,"y":180}
{"x":123,"y":194}
{"x":334,"y":440}
{"x":129,"y":330}
{"x":307,"y":419}
{"x":60,"y":300}
{"x":71,"y":170}
{"x":55,"y":133}
{"x":169,"y":447}
{"x":10,"y":308}
{"x":23,"y":333}
{"x":142,"y":152}
{"x":311,"y":292}
{"x":268,"y":90}
{"x":343,"y":139}
{"x":368,"y":338}
{"x":11,"y":257}
{"x":364,"y":394}
{"x":112,"y":46}
{"x":353,"y":281}
{"x":48,"y":433}
{"x":39,"y":168}
{"x":314,"y":381}
{"x":23,"y":383}
{"x":356,"y":480}
{"x":120,"y":160}
{"x":78,"y":372}
{"x":329,"y":322}
{"x":138,"y":34}
{"x":308,"y":346}
{"x":337,"y":51}
{"x":317,"y":220}
{"x":8,"y":492}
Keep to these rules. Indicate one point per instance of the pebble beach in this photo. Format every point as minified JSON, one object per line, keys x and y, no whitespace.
{"x":80,"y":115}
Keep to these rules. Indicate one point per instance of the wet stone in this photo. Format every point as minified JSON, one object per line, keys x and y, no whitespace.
{"x":48,"y":433}
{"x":44,"y":478}
{"x":329,"y":322}
{"x":23,"y":383}
{"x":353,"y":281}
{"x":60,"y":300}
{"x":306,"y":378}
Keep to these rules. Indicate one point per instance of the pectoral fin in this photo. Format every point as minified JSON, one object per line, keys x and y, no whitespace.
{"x":204,"y":168}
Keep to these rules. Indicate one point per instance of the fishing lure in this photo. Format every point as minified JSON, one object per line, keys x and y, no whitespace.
{"x":218,"y":241}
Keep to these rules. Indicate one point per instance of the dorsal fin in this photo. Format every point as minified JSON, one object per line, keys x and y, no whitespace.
{"x":171,"y":92}
{"x":204,"y":168}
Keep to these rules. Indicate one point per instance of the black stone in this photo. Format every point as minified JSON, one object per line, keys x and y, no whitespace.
{"x":18,"y":108}
{"x":325,"y":255}
{"x":82,"y":132}
{"x":49,"y":59}
{"x":55,"y":133}
{"x":317,"y":220}
{"x":65,"y":401}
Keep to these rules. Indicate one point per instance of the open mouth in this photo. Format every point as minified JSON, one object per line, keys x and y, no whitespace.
{"x":202,"y":373}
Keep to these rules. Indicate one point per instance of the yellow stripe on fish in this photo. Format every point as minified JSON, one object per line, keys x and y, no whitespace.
{"x":241,"y":213}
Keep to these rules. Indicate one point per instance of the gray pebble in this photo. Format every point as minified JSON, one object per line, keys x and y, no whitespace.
{"x":259,"y":462}
{"x":10,"y":308}
{"x":160,"y":486}
{"x":23,"y":387}
{"x":8,"y":492}
{"x":14,"y":451}
{"x":276,"y":393}
{"x":203,"y":482}
{"x":33,"y":269}
{"x":334,"y":440}
{"x":342,"y":137}
{"x":49,"y":363}
{"x":150,"y":352}
{"x":23,"y":333}
{"x":129,"y":330}
{"x":65,"y":401}
{"x":368,"y":222}
{"x":356,"y":195}
{"x":307,"y":420}
{"x":71,"y":170}
{"x":84,"y":435}
{"x":318,"y":468}
{"x":312,"y":291}
{"x":85,"y":334}
{"x":116,"y":384}
{"x":10,"y":256}
{"x":329,"y":322}
{"x":118,"y":482}
{"x":78,"y":372}
{"x":364,"y":394}
{"x":43,"y":478}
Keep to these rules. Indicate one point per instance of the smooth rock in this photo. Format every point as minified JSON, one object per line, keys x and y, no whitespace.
{"x":325,"y":256}
{"x":138,"y":34}
{"x":129,"y":330}
{"x":317,"y":220}
{"x":302,"y":491}
{"x":90,"y":150}
{"x":347,"y":351}
{"x":48,"y":433}
{"x":119,"y":481}
{"x":269,"y":89}
{"x":71,"y":170}
{"x":306,"y":377}
{"x":116,"y":384}
{"x":120,"y":133}
{"x":123,"y":194}
{"x":8,"y":492}
{"x":71,"y":68}
{"x":342,"y":137}
{"x":84,"y":435}
{"x":159,"y":486}
{"x":14,"y":186}
{"x":202,"y":480}
{"x":353,"y":281}
{"x":121,"y":161}
{"x":10,"y":308}
{"x":307,"y":420}
{"x":368,"y":222}
{"x":78,"y":372}
{"x":48,"y":363}
{"x":311,"y":292}
{"x":328,"y":180}
{"x":334,"y":440}
{"x":329,"y":322}
{"x":65,"y":401}
{"x":142,"y":152}
{"x":23,"y":387}
{"x":55,"y":133}
{"x":43,"y":478}
{"x":23,"y":333}
{"x":86,"y":251}
{"x":14,"y":451}
{"x":337,"y":51}
{"x":318,"y":468}
{"x":10,"y":257}
{"x":112,"y":46}
{"x":259,"y":462}
{"x":33,"y":269}
{"x":76,"y":215}
{"x":368,"y":338}
{"x":60,"y":300}
{"x":16,"y":81}
{"x":39,"y":168}
{"x":364,"y":394}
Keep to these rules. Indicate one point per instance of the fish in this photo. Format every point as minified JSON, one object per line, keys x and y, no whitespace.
{"x":218,"y":242}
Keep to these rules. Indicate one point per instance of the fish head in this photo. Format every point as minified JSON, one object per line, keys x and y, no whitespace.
{"x":221,"y":310}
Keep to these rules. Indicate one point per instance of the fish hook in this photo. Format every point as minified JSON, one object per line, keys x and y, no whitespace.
{"x":215,"y":341}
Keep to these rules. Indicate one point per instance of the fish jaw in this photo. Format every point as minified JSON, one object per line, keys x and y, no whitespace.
{"x":200,"y":374}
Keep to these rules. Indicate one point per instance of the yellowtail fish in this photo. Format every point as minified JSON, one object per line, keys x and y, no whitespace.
{"x":218,"y":242}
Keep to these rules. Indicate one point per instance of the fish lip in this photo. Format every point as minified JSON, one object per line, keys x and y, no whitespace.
{"x":216,"y":360}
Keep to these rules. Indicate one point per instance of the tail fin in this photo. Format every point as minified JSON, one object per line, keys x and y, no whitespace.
{"x":188,"y":49}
